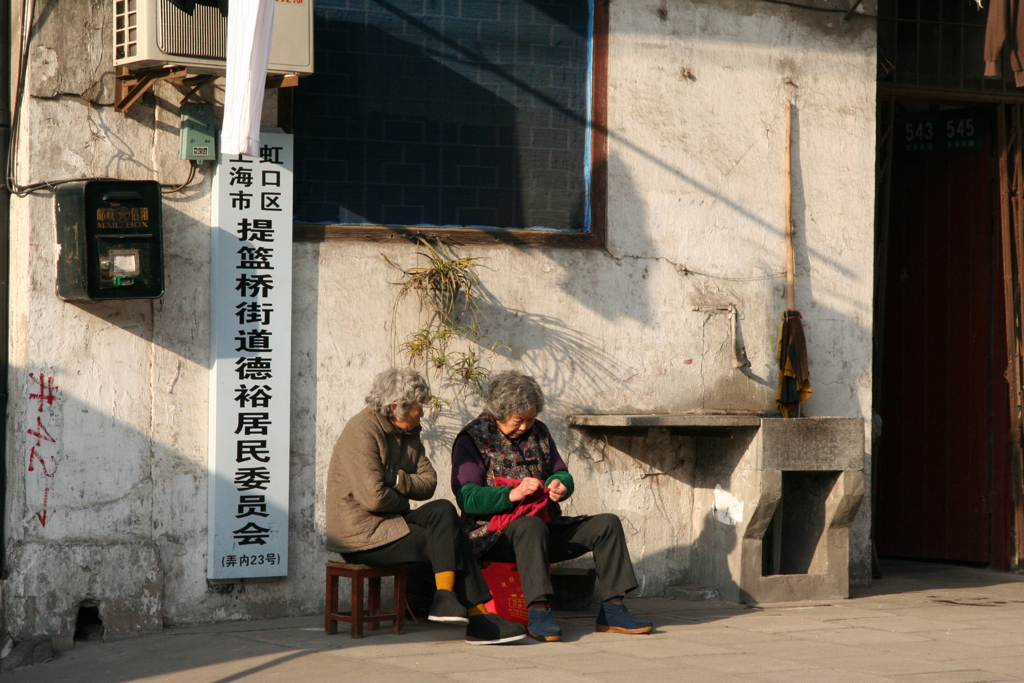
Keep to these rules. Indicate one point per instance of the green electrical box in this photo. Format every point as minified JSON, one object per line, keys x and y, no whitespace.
{"x":198,"y":136}
{"x":111,"y":240}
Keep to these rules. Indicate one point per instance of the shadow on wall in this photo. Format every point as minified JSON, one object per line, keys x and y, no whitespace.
{"x":599,"y":291}
{"x":615,"y":287}
{"x":122,"y":530}
{"x":711,"y":546}
{"x":658,"y":481}
{"x":110,"y":509}
{"x":304,"y":494}
{"x":186,"y":254}
{"x":576,"y":362}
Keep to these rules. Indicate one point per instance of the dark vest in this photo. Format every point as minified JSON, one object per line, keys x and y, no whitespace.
{"x":502,"y":458}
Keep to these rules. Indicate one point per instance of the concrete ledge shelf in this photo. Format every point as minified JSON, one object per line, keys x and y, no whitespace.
{"x":693,"y":424}
{"x":678,"y":422}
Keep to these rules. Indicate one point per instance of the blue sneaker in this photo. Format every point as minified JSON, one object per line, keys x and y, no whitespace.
{"x":615,"y":618}
{"x":543,"y":626}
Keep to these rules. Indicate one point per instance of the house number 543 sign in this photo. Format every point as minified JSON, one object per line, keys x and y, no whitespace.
{"x":941,"y":133}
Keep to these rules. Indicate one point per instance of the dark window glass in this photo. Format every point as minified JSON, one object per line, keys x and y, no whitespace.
{"x":446,"y":113}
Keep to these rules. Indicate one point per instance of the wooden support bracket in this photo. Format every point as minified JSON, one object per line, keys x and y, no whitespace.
{"x":129,"y":87}
{"x":282,"y":81}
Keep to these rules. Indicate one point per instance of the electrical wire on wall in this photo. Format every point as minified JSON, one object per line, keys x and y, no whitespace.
{"x":168,"y":189}
{"x":27,"y":25}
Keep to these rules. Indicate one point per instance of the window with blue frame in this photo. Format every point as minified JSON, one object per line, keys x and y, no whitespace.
{"x":448,"y":113}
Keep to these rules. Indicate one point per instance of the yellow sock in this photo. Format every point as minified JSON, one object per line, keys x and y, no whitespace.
{"x":445,"y":581}
{"x":477,"y":610}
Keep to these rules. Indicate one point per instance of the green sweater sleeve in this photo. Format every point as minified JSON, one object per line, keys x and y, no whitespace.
{"x":474,"y":499}
{"x":565,"y":478}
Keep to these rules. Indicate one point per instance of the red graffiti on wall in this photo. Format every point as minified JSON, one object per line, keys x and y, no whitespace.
{"x":34,"y":456}
{"x":41,"y":433}
{"x":37,"y":457}
{"x":47,"y":390}
{"x":41,"y":516}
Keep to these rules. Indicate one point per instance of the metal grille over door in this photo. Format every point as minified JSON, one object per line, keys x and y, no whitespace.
{"x":936,"y":44}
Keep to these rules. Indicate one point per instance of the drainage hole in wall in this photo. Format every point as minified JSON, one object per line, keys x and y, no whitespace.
{"x":88,"y":625}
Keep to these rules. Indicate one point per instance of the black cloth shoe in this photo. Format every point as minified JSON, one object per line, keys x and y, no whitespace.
{"x":447,"y":609}
{"x":490,"y":629}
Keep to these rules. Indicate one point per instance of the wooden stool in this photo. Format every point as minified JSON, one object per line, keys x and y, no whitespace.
{"x":371,"y":615}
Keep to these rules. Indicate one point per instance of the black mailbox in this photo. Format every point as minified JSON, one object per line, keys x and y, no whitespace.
{"x":111,"y":240}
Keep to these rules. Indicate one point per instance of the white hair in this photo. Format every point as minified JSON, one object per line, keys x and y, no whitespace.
{"x":513,"y":393}
{"x":401,"y":386}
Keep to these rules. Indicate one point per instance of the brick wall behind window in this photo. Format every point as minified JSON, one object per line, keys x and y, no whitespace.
{"x":445,"y":112}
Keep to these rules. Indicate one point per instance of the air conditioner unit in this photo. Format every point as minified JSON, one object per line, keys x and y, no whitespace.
{"x":156,"y":33}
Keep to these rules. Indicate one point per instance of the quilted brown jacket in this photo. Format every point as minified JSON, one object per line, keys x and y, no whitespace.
{"x":1005,"y":27}
{"x":375,"y":470}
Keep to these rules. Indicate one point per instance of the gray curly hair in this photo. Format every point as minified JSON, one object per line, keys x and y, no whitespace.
{"x":401,"y":386}
{"x":512,"y":393}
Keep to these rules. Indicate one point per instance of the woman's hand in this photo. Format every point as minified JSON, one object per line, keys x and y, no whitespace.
{"x":557,"y":490}
{"x":527,"y":487}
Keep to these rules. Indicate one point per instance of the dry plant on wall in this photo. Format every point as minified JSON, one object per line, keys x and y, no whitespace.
{"x":448,"y":343}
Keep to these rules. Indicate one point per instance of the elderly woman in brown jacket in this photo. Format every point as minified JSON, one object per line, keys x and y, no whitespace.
{"x":377,"y":467}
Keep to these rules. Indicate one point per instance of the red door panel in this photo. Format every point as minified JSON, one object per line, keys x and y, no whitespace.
{"x":943,"y":402}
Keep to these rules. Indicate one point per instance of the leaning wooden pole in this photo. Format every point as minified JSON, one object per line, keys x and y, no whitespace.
{"x":790,"y":258}
{"x":794,"y":376}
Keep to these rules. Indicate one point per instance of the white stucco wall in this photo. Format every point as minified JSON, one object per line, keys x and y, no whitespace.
{"x":695,"y":220}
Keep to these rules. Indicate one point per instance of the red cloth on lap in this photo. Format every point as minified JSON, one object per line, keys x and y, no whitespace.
{"x":534,"y":505}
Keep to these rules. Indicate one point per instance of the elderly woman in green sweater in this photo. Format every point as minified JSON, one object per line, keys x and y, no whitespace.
{"x":509,"y":478}
{"x":378,"y":466}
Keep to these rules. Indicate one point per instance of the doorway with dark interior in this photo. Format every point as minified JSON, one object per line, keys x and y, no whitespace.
{"x":949,"y":270}
{"x":942,"y":489}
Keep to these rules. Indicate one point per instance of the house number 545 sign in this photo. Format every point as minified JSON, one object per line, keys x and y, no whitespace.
{"x":941,"y":133}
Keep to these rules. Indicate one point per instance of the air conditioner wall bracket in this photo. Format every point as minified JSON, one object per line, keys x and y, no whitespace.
{"x":130,"y":86}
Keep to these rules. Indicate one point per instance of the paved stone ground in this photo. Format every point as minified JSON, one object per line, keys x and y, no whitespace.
{"x":921,"y":622}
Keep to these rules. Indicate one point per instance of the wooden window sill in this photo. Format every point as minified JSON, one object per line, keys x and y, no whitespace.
{"x":316,"y":232}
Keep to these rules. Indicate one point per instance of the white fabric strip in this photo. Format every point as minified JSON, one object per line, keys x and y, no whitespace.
{"x":250,"y":29}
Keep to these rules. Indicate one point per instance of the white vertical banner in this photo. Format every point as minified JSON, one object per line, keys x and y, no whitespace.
{"x":250,"y":349}
{"x":250,"y":31}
